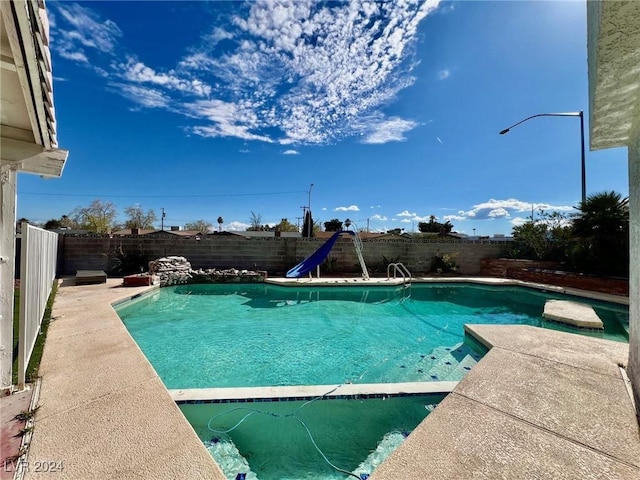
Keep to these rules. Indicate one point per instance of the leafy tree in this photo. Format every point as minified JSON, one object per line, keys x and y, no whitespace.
{"x":547,"y":237}
{"x":137,"y":218}
{"x":63,"y":222}
{"x":334,"y":225}
{"x":52,"y":224}
{"x":307,"y":226}
{"x":98,"y":217}
{"x":433,"y":226}
{"x":199,"y":225}
{"x":286,"y":226}
{"x":602,"y":227}
{"x":256,"y":223}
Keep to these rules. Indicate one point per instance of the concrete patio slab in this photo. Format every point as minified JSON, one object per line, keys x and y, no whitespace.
{"x":144,"y":433}
{"x":588,"y":353}
{"x":464,"y":439}
{"x":106,"y":355}
{"x":572,"y":313}
{"x":559,"y":398}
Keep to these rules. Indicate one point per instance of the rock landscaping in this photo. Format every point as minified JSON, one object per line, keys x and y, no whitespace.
{"x":176,"y":270}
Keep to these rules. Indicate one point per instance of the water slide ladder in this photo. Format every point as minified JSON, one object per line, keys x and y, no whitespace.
{"x":357,"y":243}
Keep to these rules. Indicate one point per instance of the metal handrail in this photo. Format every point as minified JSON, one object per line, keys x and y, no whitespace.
{"x":399,"y":267}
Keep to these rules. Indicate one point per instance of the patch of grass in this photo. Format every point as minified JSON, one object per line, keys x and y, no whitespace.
{"x":27,"y":414}
{"x":36,"y":355}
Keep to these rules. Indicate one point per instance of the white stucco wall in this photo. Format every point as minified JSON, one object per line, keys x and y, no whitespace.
{"x":634,"y":278}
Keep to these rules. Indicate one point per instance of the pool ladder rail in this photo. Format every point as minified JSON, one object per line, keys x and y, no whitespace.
{"x":399,"y":268}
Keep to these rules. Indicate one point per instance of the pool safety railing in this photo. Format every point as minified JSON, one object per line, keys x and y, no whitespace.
{"x":399,"y":268}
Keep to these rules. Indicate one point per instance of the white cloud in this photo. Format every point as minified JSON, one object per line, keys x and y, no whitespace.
{"x":227,"y":119}
{"x":517,"y":221}
{"x":83,"y":28}
{"x":391,"y":130}
{"x":381,"y":218}
{"x":503,"y":209}
{"x":237,"y":226}
{"x":291,"y":71}
{"x":444,"y":74}
{"x":291,"y":152}
{"x":350,"y":208}
{"x":406,"y":213}
{"x":498,"y":212}
{"x":138,"y":72}
{"x":143,"y":96}
{"x":74,"y":55}
{"x":452,"y":218}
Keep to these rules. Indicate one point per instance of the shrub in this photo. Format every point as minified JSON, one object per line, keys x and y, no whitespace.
{"x":444,"y":263}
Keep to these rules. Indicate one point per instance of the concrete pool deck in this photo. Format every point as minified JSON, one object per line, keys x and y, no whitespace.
{"x":540,"y":404}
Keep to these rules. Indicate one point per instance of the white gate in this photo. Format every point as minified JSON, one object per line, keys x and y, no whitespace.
{"x":38,"y":259}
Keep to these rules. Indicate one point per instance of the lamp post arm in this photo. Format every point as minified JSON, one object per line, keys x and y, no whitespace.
{"x":562,"y":114}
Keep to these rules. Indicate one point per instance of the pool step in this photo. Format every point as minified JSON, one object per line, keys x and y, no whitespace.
{"x":449,"y":363}
{"x":387,"y":445}
{"x":441,"y":364}
{"x":229,"y":458}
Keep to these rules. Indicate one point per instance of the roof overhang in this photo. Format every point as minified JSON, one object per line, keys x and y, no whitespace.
{"x":28,"y":140}
{"x":613,"y":43}
{"x":31,"y":158}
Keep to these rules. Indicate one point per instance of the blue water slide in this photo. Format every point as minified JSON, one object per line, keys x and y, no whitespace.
{"x":317,"y":257}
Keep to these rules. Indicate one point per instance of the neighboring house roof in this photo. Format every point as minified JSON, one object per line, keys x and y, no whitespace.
{"x":178,"y":233}
{"x":70,"y":231}
{"x":613,"y":54}
{"x":28,"y":139}
{"x":129,"y":231}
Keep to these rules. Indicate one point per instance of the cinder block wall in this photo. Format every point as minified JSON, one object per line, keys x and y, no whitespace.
{"x":275,"y":255}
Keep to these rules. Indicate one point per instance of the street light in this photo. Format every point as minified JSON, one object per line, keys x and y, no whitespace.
{"x":565,"y":114}
{"x":309,"y":204}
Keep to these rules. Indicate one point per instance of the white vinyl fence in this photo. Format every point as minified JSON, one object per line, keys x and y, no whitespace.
{"x":38,"y":259}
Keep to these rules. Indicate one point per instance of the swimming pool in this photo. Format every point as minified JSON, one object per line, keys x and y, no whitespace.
{"x":240,"y":335}
{"x":244,"y":335}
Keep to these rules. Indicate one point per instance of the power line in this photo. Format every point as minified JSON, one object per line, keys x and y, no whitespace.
{"x":96,"y":195}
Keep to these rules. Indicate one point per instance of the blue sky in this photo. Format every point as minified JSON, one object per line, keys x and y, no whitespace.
{"x":391,"y":111}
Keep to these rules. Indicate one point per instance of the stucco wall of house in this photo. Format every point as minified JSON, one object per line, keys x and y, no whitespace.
{"x":634,"y":276}
{"x":275,"y":255}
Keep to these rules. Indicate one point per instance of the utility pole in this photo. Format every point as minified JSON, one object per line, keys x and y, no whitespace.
{"x":367,"y":225}
{"x":162,"y":219}
{"x":298,"y":222}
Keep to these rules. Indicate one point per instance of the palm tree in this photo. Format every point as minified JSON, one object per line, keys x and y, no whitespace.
{"x":603,"y":228}
{"x":220,"y":222}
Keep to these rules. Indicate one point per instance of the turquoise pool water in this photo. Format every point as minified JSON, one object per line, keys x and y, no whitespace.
{"x":239,"y":335}
{"x":355,"y":435}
